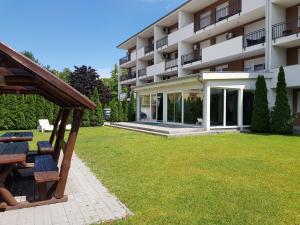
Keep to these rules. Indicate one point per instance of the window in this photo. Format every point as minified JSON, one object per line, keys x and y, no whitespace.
{"x":145,"y":109}
{"x":222,"y":11}
{"x":153,"y":107}
{"x":298,"y":16}
{"x":216,"y":107}
{"x":205,"y":20}
{"x":257,"y":64}
{"x":193,"y":107}
{"x":175,"y":108}
{"x":222,"y":68}
{"x":298,"y":102}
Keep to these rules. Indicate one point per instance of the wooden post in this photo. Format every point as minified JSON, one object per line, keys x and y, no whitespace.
{"x":61,"y":133}
{"x":58,"y":118}
{"x":66,"y":163}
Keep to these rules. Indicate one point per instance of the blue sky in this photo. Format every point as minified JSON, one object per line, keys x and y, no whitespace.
{"x":64,"y":33}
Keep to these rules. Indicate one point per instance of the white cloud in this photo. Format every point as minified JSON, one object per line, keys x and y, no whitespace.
{"x":104,"y":72}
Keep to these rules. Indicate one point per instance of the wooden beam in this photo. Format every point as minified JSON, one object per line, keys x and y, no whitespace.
{"x":61,"y":134}
{"x":66,"y":163}
{"x":6,"y":71}
{"x":58,"y":118}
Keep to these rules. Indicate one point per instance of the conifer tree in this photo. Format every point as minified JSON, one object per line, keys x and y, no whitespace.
{"x":120,"y":112}
{"x":114,"y":111}
{"x":125,"y":110}
{"x":96,"y":116}
{"x":260,"y":121}
{"x":281,"y":118}
{"x":131,"y":110}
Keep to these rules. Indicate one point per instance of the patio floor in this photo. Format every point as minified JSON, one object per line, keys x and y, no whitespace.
{"x":167,"y":130}
{"x":88,"y":202}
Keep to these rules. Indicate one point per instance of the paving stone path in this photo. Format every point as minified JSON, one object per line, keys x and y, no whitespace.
{"x":89,"y":202}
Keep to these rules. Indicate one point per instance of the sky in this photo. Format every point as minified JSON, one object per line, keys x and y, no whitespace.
{"x":64,"y":33}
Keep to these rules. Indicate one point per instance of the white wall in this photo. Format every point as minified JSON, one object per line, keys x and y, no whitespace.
{"x":254,"y":26}
{"x":185,"y":19}
{"x":249,"y":5}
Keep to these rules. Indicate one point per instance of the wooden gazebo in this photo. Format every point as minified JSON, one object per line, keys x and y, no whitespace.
{"x":20,"y":75}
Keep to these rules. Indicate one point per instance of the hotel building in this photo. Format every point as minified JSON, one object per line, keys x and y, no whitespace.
{"x":198,"y":64}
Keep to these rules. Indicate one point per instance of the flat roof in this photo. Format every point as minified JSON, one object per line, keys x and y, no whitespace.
{"x":174,"y":10}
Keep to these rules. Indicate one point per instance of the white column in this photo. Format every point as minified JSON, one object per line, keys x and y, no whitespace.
{"x":240,"y":108}
{"x":137,"y":107}
{"x":165,"y":107}
{"x":206,"y":107}
{"x":224,"y":107}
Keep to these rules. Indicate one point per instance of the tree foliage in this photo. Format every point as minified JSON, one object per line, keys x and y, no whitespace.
{"x":96,"y":116}
{"x":281,"y":118}
{"x":260,"y":121}
{"x":114,"y":115}
{"x":131,"y":109}
{"x":84,"y":80}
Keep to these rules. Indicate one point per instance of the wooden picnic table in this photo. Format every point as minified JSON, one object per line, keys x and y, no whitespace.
{"x":11,"y":154}
{"x":16,"y":137}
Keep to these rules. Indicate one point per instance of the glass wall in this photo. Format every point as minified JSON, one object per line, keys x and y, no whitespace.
{"x":231,"y":107}
{"x":145,"y":109}
{"x":248,"y":100}
{"x":193,"y":107}
{"x":174,"y":107}
{"x":160,"y":107}
{"x":216,"y":107}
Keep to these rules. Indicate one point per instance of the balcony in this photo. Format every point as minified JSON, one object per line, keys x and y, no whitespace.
{"x":162,"y":42}
{"x":285,"y":29}
{"x":233,"y":8}
{"x":124,"y":60}
{"x":129,"y":77}
{"x":254,"y":38}
{"x":148,"y":49}
{"x":142,"y":72}
{"x":191,"y":57}
{"x":171,"y":64}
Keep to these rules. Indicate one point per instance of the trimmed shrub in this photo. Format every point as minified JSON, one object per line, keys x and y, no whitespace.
{"x":260,"y":121}
{"x":281,"y":118}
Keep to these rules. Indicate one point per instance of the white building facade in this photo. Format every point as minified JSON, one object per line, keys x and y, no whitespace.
{"x":198,"y":65}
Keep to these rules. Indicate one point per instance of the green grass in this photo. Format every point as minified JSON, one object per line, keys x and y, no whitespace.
{"x":221,"y":179}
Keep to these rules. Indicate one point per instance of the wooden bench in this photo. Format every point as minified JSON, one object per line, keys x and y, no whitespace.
{"x":45,"y":148}
{"x":45,"y":171}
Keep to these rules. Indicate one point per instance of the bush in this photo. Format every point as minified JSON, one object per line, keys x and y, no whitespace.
{"x":131,"y":110}
{"x":114,"y":111}
{"x":125,"y":110}
{"x":120,"y":112}
{"x":260,"y":121}
{"x":281,"y":118}
{"x":96,"y":116}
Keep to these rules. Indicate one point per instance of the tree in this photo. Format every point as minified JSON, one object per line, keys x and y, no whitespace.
{"x":104,"y":92}
{"x":114,"y":82}
{"x":131,"y":110}
{"x":114,"y":111}
{"x":96,"y":116}
{"x":260,"y":121}
{"x":125,"y":110}
{"x":281,"y":118}
{"x":84,"y":80}
{"x":120,"y":112}
{"x":30,"y":55}
{"x":65,"y":75}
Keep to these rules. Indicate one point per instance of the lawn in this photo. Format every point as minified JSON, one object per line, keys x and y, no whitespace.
{"x":221,"y":179}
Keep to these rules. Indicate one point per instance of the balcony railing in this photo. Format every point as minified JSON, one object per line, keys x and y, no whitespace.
{"x":129,"y":76}
{"x":142,"y":72}
{"x":171,"y":63}
{"x":254,"y":38}
{"x":124,"y":60}
{"x":162,"y":42}
{"x":234,"y":7}
{"x":191,"y":57}
{"x":149,"y":48}
{"x":285,"y":29}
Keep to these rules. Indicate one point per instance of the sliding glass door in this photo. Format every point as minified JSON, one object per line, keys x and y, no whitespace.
{"x":193,"y":107}
{"x":174,"y":107}
{"x":231,"y":107}
{"x":217,"y":107}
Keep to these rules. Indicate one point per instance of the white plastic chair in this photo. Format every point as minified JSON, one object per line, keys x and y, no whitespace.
{"x":44,"y":126}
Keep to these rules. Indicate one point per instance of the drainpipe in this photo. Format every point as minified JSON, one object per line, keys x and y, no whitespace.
{"x":268,"y":52}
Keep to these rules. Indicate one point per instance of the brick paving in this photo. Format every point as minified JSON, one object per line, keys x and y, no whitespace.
{"x":89,"y":202}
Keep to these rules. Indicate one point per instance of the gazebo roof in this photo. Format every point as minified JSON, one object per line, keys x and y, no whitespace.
{"x":20,"y":75}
